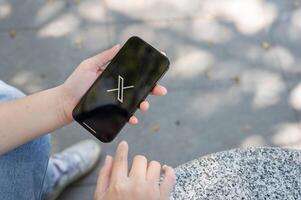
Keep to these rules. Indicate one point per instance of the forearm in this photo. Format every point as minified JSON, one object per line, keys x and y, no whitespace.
{"x":29,"y":117}
{"x":24,"y":119}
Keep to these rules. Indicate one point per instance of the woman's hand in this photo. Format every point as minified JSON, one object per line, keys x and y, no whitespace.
{"x":141,"y":183}
{"x":84,"y":76}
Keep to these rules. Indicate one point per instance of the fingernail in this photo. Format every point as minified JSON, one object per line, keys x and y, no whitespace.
{"x":164,"y":90}
{"x":123,"y":143}
{"x":108,"y":158}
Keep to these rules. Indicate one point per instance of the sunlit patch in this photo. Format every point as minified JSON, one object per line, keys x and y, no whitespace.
{"x":295,"y":97}
{"x":60,"y":27}
{"x":21,"y":78}
{"x":92,"y":10}
{"x":5,"y":10}
{"x":49,"y":11}
{"x":249,"y":17}
{"x":191,"y":64}
{"x":294,"y":27}
{"x":287,"y":135}
{"x":253,"y":141}
{"x":154,"y":9}
{"x":285,"y":57}
{"x":216,"y":101}
{"x":27,"y":81}
{"x":266,"y":86}
{"x":88,"y":37}
{"x":211,"y":30}
{"x":136,"y":29}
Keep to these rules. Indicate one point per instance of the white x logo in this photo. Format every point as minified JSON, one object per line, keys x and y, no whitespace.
{"x":120,"y":88}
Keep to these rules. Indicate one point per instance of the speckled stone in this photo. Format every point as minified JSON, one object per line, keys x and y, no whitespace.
{"x":254,"y":173}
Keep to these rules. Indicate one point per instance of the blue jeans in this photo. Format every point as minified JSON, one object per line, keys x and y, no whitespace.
{"x":24,"y":170}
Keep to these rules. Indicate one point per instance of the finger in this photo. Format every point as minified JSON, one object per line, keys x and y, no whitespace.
{"x":153,"y":171}
{"x":139,"y":167}
{"x":133,"y":120}
{"x":144,"y":106}
{"x":120,"y":164}
{"x":159,"y":90}
{"x":106,"y":56}
{"x":168,"y":181}
{"x":103,"y":180}
{"x":99,"y":61}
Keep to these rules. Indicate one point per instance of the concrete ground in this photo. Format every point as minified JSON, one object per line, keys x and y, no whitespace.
{"x":234,"y":79}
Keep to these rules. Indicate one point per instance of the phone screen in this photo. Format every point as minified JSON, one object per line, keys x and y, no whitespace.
{"x":118,"y":91}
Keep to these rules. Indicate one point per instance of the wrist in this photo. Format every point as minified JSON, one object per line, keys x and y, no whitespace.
{"x":66,"y":104}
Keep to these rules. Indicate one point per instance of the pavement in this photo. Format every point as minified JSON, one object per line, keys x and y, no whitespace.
{"x":234,"y":79}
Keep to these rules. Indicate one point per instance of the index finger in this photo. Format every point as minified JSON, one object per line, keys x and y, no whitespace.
{"x":120,"y":164}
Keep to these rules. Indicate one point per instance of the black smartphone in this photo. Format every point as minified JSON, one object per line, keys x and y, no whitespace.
{"x":123,"y":85}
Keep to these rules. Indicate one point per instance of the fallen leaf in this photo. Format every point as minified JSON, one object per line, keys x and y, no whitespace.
{"x":12,"y":34}
{"x":155,"y":128}
{"x":265,"y":45}
{"x":78,"y":42}
{"x":236,"y":79}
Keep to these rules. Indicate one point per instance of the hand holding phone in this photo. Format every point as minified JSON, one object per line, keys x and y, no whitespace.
{"x":116,"y":94}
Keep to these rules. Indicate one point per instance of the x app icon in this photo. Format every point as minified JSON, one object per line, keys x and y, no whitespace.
{"x":120,"y":88}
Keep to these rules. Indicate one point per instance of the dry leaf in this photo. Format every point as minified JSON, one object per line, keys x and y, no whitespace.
{"x":155,"y":128}
{"x":78,"y":42}
{"x":236,"y":79}
{"x":12,"y":34}
{"x":265,"y":45}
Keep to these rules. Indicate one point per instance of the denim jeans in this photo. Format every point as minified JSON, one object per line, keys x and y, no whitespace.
{"x":24,"y":170}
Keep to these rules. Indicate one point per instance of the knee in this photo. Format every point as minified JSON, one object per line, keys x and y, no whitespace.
{"x":36,"y":150}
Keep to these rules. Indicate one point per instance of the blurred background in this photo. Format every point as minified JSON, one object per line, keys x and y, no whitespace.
{"x":234,"y":80}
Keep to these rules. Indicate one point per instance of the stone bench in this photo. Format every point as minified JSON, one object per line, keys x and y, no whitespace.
{"x":254,"y":173}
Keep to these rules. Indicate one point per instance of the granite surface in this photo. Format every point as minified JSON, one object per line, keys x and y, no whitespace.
{"x":253,"y":173}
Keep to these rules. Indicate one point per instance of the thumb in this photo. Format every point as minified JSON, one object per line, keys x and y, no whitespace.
{"x":99,"y":61}
{"x":103,"y":180}
{"x":88,"y":71}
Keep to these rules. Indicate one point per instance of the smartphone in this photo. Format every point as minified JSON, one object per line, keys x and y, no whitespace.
{"x":116,"y":94}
